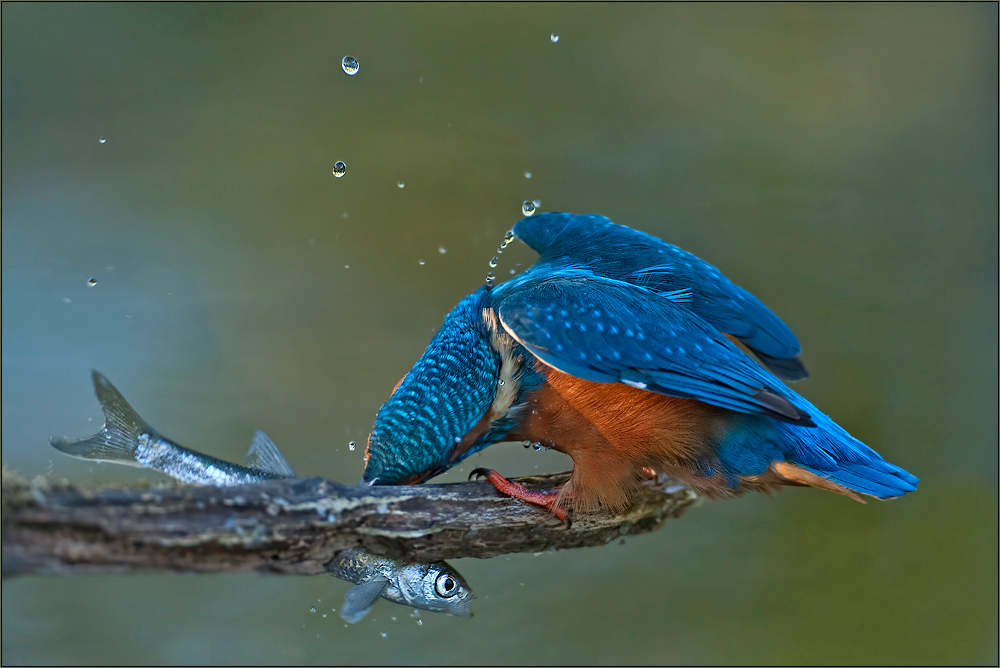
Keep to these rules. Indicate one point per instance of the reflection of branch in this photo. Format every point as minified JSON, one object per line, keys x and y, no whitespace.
{"x":294,"y":525}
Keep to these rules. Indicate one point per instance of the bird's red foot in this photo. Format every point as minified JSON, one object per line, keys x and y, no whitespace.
{"x":547,"y":498}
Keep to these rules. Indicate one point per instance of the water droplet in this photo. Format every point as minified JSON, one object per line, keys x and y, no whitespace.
{"x":400,"y":184}
{"x":351,"y":66}
{"x":494,"y":261}
{"x":490,"y":279}
{"x":528,"y":208}
{"x":312,"y":609}
{"x":339,"y":168}
{"x":508,"y":237}
{"x":347,"y":266}
{"x":92,"y":282}
{"x":442,"y":250}
{"x":527,"y":175}
{"x":393,"y":619}
{"x":536,"y":446}
{"x":511,"y":272}
{"x":537,"y":203}
{"x":501,"y":382}
{"x":420,"y":622}
{"x":421,"y":262}
{"x":383,"y":635}
{"x":526,"y":444}
{"x":351,"y":446}
{"x":103,"y":140}
{"x":554,"y":38}
{"x":324,"y":615}
{"x":415,"y":613}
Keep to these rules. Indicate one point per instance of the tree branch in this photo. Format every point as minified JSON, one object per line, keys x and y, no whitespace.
{"x":293,"y":526}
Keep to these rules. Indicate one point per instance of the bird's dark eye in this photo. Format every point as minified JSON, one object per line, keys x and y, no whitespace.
{"x":446,"y":585}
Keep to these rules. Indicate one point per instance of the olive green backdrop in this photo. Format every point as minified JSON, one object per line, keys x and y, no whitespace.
{"x":838,"y":161}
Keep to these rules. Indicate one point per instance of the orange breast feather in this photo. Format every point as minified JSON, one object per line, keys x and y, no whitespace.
{"x":611,"y":431}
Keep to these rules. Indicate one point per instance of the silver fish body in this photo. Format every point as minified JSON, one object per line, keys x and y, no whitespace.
{"x":126,"y":439}
{"x":429,"y":586}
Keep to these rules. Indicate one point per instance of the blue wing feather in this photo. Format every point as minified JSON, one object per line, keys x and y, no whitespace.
{"x":604,"y":330}
{"x":615,"y":251}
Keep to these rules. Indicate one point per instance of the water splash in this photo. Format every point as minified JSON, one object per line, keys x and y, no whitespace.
{"x":350,"y":65}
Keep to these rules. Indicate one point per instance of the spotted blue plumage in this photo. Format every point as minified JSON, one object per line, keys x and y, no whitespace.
{"x":619,"y":252}
{"x":605,"y":330}
{"x":445,"y":394}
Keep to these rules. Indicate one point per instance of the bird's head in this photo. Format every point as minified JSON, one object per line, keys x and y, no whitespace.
{"x":445,"y":394}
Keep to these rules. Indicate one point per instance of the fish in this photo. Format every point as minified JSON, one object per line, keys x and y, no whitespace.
{"x":125,"y":438}
{"x":429,"y":586}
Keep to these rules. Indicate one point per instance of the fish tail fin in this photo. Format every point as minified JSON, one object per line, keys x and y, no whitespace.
{"x":118,"y":439}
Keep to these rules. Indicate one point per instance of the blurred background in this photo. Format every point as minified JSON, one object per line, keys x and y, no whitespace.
{"x":839,"y":161}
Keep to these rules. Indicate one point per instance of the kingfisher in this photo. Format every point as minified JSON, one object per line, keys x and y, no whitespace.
{"x":632,"y":357}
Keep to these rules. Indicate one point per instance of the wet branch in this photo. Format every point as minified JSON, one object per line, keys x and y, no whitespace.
{"x":292,"y":526}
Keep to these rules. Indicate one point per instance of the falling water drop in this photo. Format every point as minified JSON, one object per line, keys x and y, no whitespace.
{"x":526,"y":444}
{"x":537,"y":203}
{"x":494,"y":261}
{"x":537,"y":446}
{"x":490,"y":279}
{"x":527,"y":175}
{"x":351,"y":66}
{"x":339,"y":168}
{"x":421,"y":262}
{"x":92,"y":282}
{"x":400,"y":184}
{"x":508,"y":237}
{"x":351,"y":446}
{"x":442,"y":250}
{"x":528,"y":208}
{"x":103,"y":140}
{"x":312,"y":609}
{"x":554,"y":38}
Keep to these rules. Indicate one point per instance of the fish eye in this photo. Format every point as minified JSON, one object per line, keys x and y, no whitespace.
{"x":446,"y":585}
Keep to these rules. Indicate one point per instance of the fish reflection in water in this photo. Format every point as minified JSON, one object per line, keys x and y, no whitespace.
{"x":126,"y":439}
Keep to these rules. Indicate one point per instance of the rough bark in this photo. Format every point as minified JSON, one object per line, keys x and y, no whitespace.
{"x":292,"y":526}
